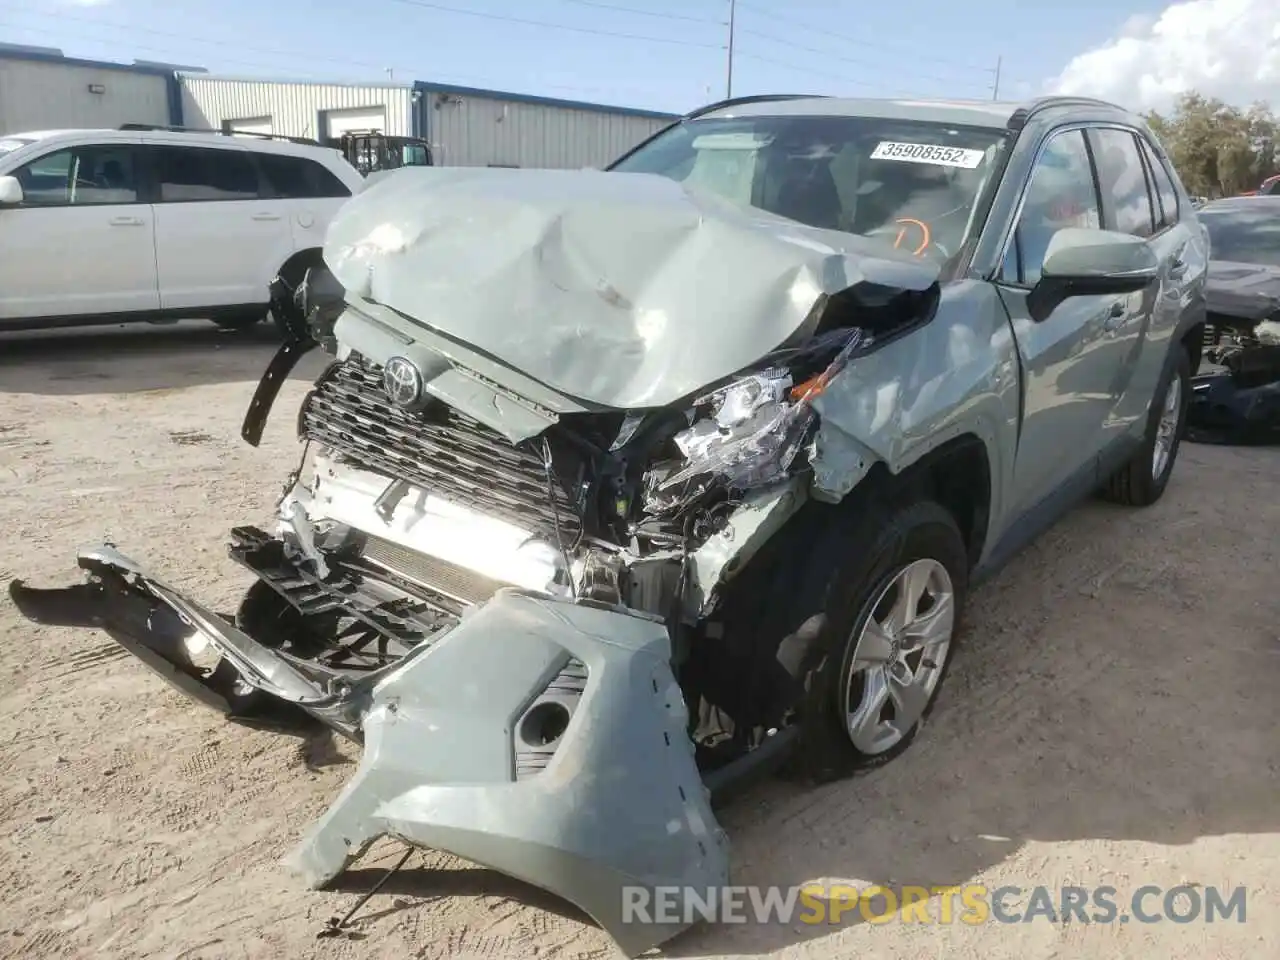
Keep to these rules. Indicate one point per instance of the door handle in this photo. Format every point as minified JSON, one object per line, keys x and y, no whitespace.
{"x":1115,"y":313}
{"x":1178,"y":269}
{"x":126,"y":221}
{"x":266,"y":216}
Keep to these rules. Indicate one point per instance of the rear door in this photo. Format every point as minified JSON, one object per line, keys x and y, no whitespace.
{"x":219,"y":237}
{"x":82,"y":241}
{"x":1178,"y":242}
{"x":1132,"y":203}
{"x":308,"y":193}
{"x":1067,"y":388}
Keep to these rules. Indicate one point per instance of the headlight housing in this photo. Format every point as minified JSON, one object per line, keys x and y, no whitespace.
{"x":756,"y":427}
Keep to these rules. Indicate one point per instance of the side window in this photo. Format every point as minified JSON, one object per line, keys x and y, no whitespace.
{"x":1126,"y":204}
{"x":81,"y":176}
{"x":1061,"y":194}
{"x":1166,"y":195}
{"x":416,"y":155}
{"x":297,"y":178}
{"x":187,"y":174}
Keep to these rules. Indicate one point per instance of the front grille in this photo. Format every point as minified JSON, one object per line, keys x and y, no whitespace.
{"x":439,"y":450}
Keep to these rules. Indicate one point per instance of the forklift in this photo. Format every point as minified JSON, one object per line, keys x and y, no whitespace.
{"x":370,"y":151}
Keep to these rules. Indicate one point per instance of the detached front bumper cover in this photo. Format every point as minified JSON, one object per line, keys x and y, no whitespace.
{"x":475,"y":743}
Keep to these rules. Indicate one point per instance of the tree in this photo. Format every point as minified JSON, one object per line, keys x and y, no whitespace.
{"x":1217,"y":149}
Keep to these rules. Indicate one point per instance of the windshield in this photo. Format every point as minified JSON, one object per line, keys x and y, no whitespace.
{"x":9,"y":144}
{"x":911,"y":183}
{"x":1243,"y":234}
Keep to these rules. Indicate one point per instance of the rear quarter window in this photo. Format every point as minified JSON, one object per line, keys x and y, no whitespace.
{"x":299,"y":178}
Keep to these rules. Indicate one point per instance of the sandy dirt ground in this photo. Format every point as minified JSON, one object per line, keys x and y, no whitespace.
{"x":1113,"y":718}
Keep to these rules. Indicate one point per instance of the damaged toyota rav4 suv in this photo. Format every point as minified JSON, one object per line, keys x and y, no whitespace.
{"x":624,"y":486}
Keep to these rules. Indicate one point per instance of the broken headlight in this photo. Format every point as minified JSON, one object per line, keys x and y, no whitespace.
{"x":744,"y":435}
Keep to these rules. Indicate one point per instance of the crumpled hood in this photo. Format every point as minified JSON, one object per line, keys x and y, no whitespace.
{"x":624,"y":290}
{"x":1248,"y":291}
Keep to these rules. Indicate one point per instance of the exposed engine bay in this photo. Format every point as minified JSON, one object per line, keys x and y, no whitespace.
{"x":407,"y":512}
{"x":1241,"y":403}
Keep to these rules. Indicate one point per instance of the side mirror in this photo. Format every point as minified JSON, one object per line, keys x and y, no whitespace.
{"x":1089,"y":263}
{"x":10,"y":191}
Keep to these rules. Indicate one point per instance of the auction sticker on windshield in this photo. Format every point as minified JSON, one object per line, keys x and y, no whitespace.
{"x":928,"y":153}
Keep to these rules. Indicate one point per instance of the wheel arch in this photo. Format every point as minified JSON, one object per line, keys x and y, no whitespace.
{"x":299,"y":262}
{"x":957,"y":475}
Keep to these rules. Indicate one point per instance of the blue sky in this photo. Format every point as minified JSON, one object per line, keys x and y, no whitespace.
{"x":850,"y":47}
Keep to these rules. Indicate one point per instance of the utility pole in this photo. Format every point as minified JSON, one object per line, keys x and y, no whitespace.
{"x":733,"y":9}
{"x":995,"y":90}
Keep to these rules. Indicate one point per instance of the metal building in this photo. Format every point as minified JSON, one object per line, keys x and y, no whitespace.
{"x":464,"y":125}
{"x":40,"y":89}
{"x":316,"y":110}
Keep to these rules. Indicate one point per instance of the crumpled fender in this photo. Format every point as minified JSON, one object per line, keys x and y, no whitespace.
{"x":454,"y":761}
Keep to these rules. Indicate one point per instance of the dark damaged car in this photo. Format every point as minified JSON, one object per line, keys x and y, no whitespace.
{"x":1241,"y":404}
{"x":624,"y":487}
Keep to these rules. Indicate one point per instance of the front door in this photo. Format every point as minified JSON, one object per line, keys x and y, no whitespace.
{"x":1068,"y":380}
{"x":82,"y":241}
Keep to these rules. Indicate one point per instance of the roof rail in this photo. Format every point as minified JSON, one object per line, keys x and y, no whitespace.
{"x":1070,"y":100}
{"x":305,"y":141}
{"x":754,"y":98}
{"x":1025,"y":112}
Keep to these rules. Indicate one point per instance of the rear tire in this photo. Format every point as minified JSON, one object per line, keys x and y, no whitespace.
{"x":1142,"y":481}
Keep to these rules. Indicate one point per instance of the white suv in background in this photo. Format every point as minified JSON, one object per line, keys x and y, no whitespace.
{"x":142,"y":223}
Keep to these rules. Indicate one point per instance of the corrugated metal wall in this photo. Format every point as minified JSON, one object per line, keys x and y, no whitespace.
{"x":470,"y":130}
{"x":37,"y":95}
{"x":294,"y":108}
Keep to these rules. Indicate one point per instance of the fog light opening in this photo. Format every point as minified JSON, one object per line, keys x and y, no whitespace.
{"x":544,"y":724}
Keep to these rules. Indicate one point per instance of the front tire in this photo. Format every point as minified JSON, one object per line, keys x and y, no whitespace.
{"x":269,"y":619}
{"x":1142,"y":481}
{"x":891,"y":606}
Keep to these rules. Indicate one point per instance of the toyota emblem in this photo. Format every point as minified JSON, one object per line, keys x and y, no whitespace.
{"x":402,"y":381}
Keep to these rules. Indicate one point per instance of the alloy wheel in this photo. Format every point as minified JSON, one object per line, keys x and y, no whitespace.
{"x":899,"y":656}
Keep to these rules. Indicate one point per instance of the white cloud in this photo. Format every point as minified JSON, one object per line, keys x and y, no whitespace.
{"x":1222,"y":48}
